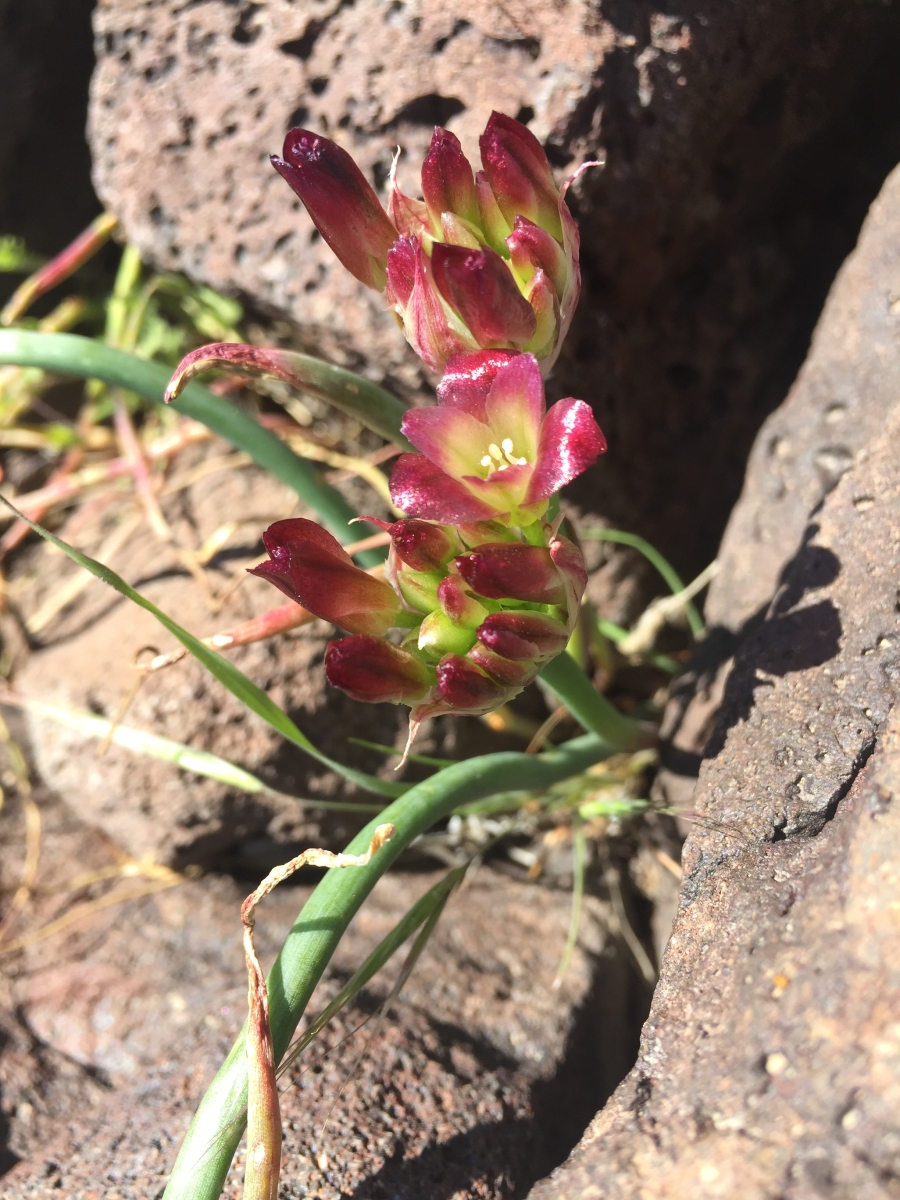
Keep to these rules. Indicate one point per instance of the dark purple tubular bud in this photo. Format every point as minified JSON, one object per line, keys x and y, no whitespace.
{"x":423,"y":545}
{"x":373,"y":669}
{"x":503,"y":670}
{"x":465,"y":688}
{"x":467,"y":380}
{"x":478,"y":285}
{"x":523,"y":635}
{"x":448,"y":184}
{"x":341,"y":202}
{"x":512,"y":571}
{"x":519,"y":174}
{"x":313,"y":569}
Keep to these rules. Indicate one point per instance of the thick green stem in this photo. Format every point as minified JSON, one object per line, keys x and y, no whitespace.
{"x":70,"y":354}
{"x":209,"y":1146}
{"x":590,"y":707}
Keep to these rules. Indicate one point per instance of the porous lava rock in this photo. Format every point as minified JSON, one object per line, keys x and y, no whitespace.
{"x":743,"y":145}
{"x":770,"y":1062}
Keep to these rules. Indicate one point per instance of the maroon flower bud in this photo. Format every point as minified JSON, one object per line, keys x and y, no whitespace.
{"x":423,"y":545}
{"x":504,"y":670}
{"x":313,"y":569}
{"x":519,"y":173}
{"x":569,"y":562}
{"x":341,"y":202}
{"x":512,"y":571}
{"x":478,"y":285}
{"x":448,"y":184}
{"x":374,"y":669}
{"x":459,"y":605}
{"x":523,"y":635}
{"x":465,"y":688}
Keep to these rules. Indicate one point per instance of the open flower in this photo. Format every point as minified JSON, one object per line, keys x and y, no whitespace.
{"x":485,"y":260}
{"x":489,"y":448}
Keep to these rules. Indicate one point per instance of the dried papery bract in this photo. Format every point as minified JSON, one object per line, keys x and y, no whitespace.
{"x":263,"y":1167}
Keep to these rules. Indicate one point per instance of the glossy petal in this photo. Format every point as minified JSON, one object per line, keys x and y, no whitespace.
{"x":479,"y":287}
{"x":373,"y":669}
{"x":519,"y":173}
{"x":341,"y":202}
{"x":502,"y":490}
{"x":464,"y":688}
{"x":452,"y":439}
{"x":512,"y":571}
{"x":448,"y":184}
{"x":467,"y":380}
{"x":571,"y":440}
{"x":515,"y":406}
{"x":523,"y":635}
{"x":421,"y":489}
{"x":423,"y":545}
{"x":313,"y":569}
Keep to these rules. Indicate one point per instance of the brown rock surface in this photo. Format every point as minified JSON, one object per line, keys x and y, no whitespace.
{"x":743,"y":145}
{"x":770,"y":1063}
{"x":481,"y":1078}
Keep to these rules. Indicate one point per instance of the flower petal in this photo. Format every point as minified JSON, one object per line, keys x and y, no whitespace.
{"x":506,"y":671}
{"x":448,"y":184}
{"x":523,"y":635}
{"x":373,"y":669}
{"x":313,"y":569}
{"x":515,"y":406}
{"x":571,"y":440}
{"x":423,"y":545}
{"x":480,"y":288}
{"x":341,"y":202}
{"x":433,"y":330}
{"x":533,"y":249}
{"x":467,"y":379}
{"x":420,"y":489}
{"x":452,"y":439}
{"x":464,"y":688}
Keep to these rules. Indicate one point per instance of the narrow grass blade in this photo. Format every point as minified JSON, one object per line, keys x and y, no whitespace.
{"x":653,"y":556}
{"x":425,"y":759}
{"x":227,"y":673}
{"x":188,"y":758}
{"x":70,"y":354}
{"x":200,"y":1171}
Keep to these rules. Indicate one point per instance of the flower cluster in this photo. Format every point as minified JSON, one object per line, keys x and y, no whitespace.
{"x":486,"y":260}
{"x":480,"y":591}
{"x":483,"y":590}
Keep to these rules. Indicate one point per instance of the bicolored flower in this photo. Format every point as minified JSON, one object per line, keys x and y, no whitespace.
{"x":486,"y":260}
{"x":489,"y":448}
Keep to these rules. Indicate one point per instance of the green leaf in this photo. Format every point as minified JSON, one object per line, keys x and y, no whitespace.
{"x":590,"y":707}
{"x":216,"y":1129}
{"x":70,"y":354}
{"x":15,"y":257}
{"x":226,"y":672}
{"x":653,"y":556}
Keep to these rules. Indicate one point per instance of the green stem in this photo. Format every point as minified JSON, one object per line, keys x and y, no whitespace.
{"x":70,"y":354}
{"x":653,"y":556}
{"x":590,"y":707}
{"x":209,"y":1146}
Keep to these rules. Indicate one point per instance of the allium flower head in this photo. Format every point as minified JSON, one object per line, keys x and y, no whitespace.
{"x":485,"y":260}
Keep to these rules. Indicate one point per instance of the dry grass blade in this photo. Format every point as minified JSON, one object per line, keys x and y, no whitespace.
{"x":263,"y":1168}
{"x":579,"y":862}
